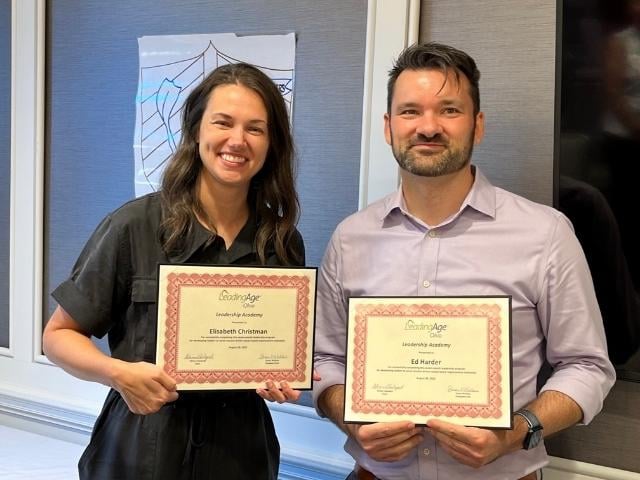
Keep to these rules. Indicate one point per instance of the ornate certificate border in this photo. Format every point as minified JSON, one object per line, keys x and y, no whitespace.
{"x":495,"y":411}
{"x":178,"y":278}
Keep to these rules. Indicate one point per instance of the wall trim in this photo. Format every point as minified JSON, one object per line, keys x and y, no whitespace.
{"x":17,"y":405}
{"x":391,"y":26}
{"x":311,"y":446}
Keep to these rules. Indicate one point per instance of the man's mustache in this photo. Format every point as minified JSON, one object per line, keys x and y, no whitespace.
{"x":420,"y":139}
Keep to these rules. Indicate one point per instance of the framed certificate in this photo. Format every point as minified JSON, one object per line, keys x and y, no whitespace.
{"x":234,"y":328}
{"x":417,"y":358}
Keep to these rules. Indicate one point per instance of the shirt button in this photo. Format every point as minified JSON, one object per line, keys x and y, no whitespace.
{"x":433,"y":233}
{"x":426,"y":284}
{"x":426,"y":452}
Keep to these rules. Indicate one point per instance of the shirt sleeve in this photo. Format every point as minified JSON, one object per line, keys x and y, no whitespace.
{"x":97,"y":282}
{"x":331,"y":322}
{"x":570,"y":317}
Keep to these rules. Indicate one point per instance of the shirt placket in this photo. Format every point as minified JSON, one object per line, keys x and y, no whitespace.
{"x":427,"y":285}
{"x":429,"y":263}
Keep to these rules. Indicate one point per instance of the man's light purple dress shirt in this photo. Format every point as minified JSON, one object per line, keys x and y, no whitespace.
{"x":498,"y":243}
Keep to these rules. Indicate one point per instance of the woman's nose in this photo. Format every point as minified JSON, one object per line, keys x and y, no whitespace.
{"x":236,"y":137}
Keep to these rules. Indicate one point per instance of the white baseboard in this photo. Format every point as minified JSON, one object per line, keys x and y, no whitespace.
{"x":43,"y":418}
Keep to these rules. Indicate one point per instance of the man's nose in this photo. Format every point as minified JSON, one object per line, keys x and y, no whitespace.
{"x":428,"y":125}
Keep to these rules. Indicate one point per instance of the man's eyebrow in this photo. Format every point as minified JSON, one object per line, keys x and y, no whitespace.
{"x":451,"y":101}
{"x":408,"y":104}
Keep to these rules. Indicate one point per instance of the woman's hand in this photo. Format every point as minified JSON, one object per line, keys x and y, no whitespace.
{"x":283,"y":392}
{"x":145,"y":387}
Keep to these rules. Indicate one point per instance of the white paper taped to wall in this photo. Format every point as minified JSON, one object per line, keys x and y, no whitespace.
{"x":171,"y":66}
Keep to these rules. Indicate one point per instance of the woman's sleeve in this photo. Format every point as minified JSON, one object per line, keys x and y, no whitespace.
{"x":99,"y":280}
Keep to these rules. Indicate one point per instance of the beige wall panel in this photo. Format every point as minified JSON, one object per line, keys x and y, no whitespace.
{"x":514,"y":45}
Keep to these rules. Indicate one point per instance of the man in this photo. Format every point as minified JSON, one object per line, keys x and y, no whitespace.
{"x":447,"y":231}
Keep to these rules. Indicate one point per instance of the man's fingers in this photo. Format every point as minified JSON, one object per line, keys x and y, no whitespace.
{"x":443,"y":430}
{"x":395,"y":439}
{"x":446,"y":428}
{"x":383,"y":430}
{"x":391,"y":452}
{"x":460,"y":457}
{"x":389,"y":441}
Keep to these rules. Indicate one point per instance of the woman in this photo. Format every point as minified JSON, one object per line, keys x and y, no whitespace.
{"x":227,"y":197}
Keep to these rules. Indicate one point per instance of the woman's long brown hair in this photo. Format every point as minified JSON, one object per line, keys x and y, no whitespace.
{"x":272,"y":196}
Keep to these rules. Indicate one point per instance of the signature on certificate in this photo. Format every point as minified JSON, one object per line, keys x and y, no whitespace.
{"x":199,"y":356}
{"x":461,"y":389}
{"x":387,"y":386}
{"x":272,"y":356}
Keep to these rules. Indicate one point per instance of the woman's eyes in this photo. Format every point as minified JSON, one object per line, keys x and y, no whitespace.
{"x":256,"y":130}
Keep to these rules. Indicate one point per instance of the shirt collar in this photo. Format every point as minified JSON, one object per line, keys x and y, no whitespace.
{"x":196,"y":238}
{"x":481,"y":197}
{"x":242,"y":245}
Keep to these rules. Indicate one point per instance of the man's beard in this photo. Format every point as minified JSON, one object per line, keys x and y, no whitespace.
{"x":450,"y":160}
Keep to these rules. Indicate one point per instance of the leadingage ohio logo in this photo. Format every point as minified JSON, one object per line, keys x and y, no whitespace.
{"x":248,"y":300}
{"x":435,"y":329}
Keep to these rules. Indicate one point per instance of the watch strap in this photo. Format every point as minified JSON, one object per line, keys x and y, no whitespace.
{"x":534,"y":433}
{"x":530,"y":418}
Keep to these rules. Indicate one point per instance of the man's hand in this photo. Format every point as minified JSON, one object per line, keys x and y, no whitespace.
{"x":387,"y":442}
{"x":471,"y":446}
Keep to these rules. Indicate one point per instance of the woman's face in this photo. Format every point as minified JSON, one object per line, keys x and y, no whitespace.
{"x":233,"y":139}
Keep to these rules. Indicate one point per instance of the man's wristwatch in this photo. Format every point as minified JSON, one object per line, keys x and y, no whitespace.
{"x":534,"y":435}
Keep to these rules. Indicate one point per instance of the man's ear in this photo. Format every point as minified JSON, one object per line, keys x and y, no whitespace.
{"x":387,"y":128}
{"x":479,"y":133}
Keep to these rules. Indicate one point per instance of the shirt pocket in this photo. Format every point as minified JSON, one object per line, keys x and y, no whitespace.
{"x":144,"y":300}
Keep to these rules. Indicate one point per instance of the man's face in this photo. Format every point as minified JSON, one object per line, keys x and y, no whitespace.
{"x":431,"y":126}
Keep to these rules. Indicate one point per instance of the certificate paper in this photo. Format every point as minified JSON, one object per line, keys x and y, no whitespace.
{"x":418,"y":358}
{"x":234,"y":328}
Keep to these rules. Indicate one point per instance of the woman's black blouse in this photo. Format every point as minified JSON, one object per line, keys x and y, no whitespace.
{"x":112,"y":290}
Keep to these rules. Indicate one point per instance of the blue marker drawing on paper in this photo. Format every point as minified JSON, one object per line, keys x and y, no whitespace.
{"x":166,"y":100}
{"x":169,"y":71}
